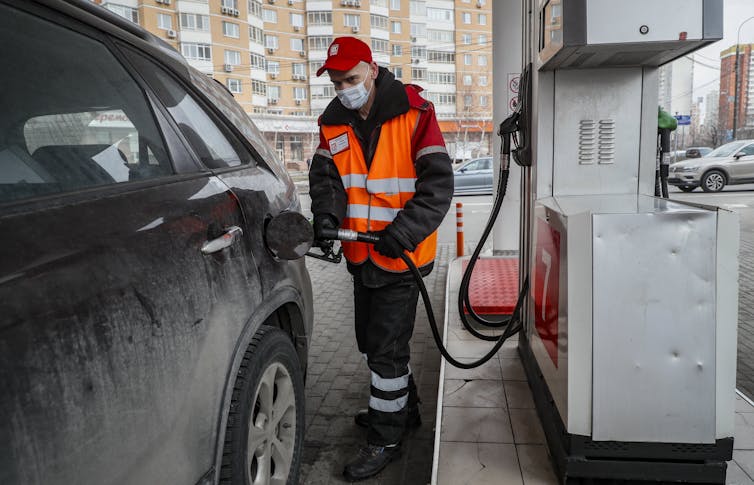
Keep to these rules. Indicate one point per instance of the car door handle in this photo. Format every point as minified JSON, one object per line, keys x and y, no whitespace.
{"x":232,"y":234}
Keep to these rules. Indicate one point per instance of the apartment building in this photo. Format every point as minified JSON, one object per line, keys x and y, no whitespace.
{"x":267,"y":53}
{"x":745,"y":120}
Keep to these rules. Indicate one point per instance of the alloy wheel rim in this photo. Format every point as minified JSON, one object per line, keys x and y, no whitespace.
{"x":272,"y":428}
{"x":714,"y":181}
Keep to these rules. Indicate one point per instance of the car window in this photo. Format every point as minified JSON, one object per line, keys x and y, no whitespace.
{"x":747,"y":150}
{"x":472,"y":166}
{"x":485,"y":164}
{"x":726,"y":150}
{"x":73,"y":117}
{"x":205,"y":137}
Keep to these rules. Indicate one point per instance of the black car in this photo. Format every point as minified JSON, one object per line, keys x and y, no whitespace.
{"x":147,"y":333}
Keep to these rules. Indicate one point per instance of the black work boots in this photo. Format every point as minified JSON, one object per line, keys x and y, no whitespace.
{"x":370,"y":461}
{"x":414,"y":419}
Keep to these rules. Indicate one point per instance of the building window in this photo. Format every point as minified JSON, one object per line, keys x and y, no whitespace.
{"x":466,"y":18}
{"x":273,"y":92}
{"x":314,"y":67}
{"x":257,"y":61}
{"x":234,"y":85}
{"x":164,"y":21}
{"x":466,"y":39}
{"x":443,"y":36}
{"x":398,"y":72}
{"x":381,"y":46}
{"x":482,"y":80}
{"x":297,"y":20}
{"x":297,"y":145}
{"x":467,"y":59}
{"x":127,"y":13}
{"x":441,"y":57}
{"x":482,"y":60}
{"x":468,"y":100}
{"x":482,"y":19}
{"x":297,"y":45}
{"x":299,"y":93}
{"x":482,"y":39}
{"x":255,"y":9}
{"x":418,"y":30}
{"x":419,"y":52}
{"x":441,"y":98}
{"x":395,"y":27}
{"x":467,"y":80}
{"x":397,"y":50}
{"x":271,"y":41}
{"x":231,"y":30}
{"x":319,"y":42}
{"x":378,"y":21}
{"x":483,"y":100}
{"x":379,"y":3}
{"x":418,"y":8}
{"x":230,"y":4}
{"x":196,"y":52}
{"x":192,"y":21}
{"x":323,"y":92}
{"x":440,"y":14}
{"x":269,"y":15}
{"x":256,"y":35}
{"x":273,"y":67}
{"x":232,"y":57}
{"x":350,"y":20}
{"x":259,"y":87}
{"x":298,"y":69}
{"x":442,"y":77}
{"x":320,"y":17}
{"x":395,"y":4}
{"x":418,"y":74}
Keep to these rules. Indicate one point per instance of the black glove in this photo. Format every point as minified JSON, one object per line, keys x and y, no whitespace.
{"x":388,"y":245}
{"x":323,"y":221}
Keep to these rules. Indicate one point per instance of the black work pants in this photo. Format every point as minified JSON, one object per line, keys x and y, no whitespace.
{"x":384,"y":324}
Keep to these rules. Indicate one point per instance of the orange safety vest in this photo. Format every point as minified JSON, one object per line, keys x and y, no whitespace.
{"x":375,"y":196}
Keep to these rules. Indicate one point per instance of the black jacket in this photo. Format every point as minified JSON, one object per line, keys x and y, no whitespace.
{"x":434,"y":186}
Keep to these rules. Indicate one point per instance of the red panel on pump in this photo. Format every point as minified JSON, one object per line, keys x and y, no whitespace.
{"x":493,"y":288}
{"x":547,"y":287}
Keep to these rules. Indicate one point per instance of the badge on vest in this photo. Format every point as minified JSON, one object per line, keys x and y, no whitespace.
{"x":338,"y":144}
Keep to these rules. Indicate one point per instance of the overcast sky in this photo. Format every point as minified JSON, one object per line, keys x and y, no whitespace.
{"x":736,"y":11}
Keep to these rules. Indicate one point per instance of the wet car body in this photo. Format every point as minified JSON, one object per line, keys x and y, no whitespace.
{"x":120,"y":338}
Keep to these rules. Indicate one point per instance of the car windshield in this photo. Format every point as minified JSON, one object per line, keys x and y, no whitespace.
{"x":727,"y":150}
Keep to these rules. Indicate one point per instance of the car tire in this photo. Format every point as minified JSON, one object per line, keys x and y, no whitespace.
{"x":265,"y":431}
{"x":686,"y":188}
{"x":713,"y":181}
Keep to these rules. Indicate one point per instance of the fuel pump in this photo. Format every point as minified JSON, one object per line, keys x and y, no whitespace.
{"x":666,"y":124}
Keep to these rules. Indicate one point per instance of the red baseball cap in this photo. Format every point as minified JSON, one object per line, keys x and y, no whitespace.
{"x":344,"y":53}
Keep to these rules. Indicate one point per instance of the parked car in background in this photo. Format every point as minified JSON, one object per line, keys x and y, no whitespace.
{"x":147,"y":334}
{"x":474,"y":177}
{"x":730,"y":164}
{"x":697,"y":152}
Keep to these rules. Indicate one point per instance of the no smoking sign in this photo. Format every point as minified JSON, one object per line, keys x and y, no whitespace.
{"x":513,"y":85}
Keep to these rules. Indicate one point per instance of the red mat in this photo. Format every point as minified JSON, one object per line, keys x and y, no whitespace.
{"x":493,"y":289}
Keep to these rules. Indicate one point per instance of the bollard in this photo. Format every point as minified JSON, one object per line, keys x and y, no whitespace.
{"x":459,"y":229}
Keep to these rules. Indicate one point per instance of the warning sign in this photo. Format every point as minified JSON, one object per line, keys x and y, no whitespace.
{"x":513,"y":86}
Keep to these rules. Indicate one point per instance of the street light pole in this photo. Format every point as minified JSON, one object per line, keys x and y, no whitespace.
{"x":735,"y":88}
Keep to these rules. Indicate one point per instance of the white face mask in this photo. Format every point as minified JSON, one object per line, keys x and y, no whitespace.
{"x":356,"y":96}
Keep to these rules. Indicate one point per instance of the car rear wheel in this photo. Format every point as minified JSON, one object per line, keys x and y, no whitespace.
{"x":686,"y":188}
{"x":713,"y":181}
{"x":265,"y":430}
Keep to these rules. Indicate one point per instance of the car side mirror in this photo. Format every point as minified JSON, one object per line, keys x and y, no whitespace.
{"x":289,"y":235}
{"x":462,"y":170}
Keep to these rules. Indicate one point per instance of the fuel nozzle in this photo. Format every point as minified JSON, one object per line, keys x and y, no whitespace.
{"x":508,"y":127}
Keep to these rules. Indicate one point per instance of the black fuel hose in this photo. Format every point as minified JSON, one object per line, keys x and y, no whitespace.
{"x":510,"y":330}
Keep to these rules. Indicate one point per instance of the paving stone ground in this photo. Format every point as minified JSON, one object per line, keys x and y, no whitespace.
{"x":338,"y":381}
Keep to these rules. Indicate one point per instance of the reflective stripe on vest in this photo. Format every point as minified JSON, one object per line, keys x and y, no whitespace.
{"x":377,"y":195}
